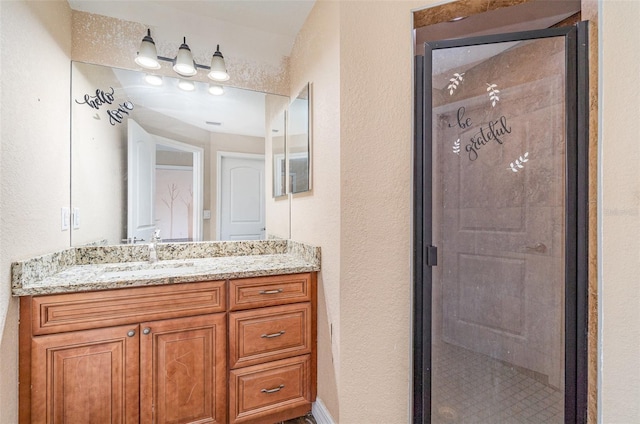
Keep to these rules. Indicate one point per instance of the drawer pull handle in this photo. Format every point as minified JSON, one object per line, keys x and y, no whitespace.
{"x":277,"y":389}
{"x":272,"y":335}
{"x":276,"y":291}
{"x":146,"y":330}
{"x":131,"y":333}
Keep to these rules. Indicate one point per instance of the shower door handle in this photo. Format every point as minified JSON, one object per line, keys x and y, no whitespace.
{"x":538,"y":248}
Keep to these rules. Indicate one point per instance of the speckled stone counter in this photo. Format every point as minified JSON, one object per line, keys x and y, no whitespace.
{"x":110,"y":267}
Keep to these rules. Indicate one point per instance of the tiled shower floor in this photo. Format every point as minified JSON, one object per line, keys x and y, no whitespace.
{"x":474,"y":388}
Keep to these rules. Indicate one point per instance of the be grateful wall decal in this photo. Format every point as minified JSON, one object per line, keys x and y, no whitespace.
{"x":496,"y":130}
{"x":101,"y":97}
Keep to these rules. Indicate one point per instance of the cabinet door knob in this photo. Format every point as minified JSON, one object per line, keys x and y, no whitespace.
{"x":146,"y":330}
{"x":272,"y":335}
{"x":276,"y":389}
{"x":131,"y":333}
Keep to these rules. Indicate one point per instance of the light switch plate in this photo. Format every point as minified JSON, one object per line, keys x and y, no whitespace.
{"x":64,"y":219}
{"x":206,"y":214}
{"x":76,"y":218}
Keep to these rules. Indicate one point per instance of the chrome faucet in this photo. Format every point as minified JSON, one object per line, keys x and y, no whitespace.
{"x":155,"y":238}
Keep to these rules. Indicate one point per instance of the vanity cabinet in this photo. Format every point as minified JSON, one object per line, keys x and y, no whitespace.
{"x":236,"y":351}
{"x":272,"y":355}
{"x":148,"y":354}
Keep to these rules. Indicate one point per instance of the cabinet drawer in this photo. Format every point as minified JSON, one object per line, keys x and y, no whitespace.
{"x":263,"y":391}
{"x":80,"y":311}
{"x":269,"y":291}
{"x":266,"y":334}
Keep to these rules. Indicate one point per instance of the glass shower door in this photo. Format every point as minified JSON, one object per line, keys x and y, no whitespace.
{"x":499,"y":192}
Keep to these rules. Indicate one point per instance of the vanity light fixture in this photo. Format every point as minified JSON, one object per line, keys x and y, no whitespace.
{"x":218,"y":67}
{"x":183,"y":63}
{"x":216,"y":90}
{"x":148,"y":55}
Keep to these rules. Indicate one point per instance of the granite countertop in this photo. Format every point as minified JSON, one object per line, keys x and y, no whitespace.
{"x":111,"y":267}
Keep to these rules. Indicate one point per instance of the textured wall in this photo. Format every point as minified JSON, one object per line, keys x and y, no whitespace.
{"x":34,"y":134}
{"x":619,"y":212}
{"x":315,"y":216}
{"x":376,"y":143}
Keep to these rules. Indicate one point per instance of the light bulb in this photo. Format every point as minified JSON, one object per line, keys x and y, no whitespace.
{"x":186,"y":85}
{"x":216,"y":90}
{"x":153,"y":79}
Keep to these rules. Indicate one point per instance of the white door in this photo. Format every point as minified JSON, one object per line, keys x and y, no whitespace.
{"x":141,"y":183}
{"x":242,"y":198}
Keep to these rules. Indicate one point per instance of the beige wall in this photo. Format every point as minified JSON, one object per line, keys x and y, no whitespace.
{"x":315,"y":216}
{"x":34,"y":134}
{"x":620,"y":213}
{"x":376,"y":139}
{"x":358,"y":57}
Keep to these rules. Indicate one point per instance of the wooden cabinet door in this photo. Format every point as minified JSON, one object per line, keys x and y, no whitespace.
{"x":86,"y":376}
{"x":183,"y":370}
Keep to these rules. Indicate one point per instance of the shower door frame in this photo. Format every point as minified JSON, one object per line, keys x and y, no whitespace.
{"x":576,"y":218}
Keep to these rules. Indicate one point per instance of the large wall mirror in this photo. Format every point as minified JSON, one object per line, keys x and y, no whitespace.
{"x":152,"y":152}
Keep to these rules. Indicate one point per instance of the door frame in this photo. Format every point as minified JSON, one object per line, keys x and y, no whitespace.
{"x":221,"y":155}
{"x":576,"y":219}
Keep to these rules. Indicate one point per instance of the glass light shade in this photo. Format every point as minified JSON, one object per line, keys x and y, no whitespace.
{"x":153,"y":79}
{"x":218,"y":68}
{"x":186,"y":85}
{"x":148,"y":56}
{"x":184,"y":64}
{"x":216,"y":90}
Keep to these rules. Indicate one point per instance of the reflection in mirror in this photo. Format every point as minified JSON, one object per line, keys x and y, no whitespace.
{"x":299,"y":143}
{"x":278,"y":141}
{"x":149,"y":155}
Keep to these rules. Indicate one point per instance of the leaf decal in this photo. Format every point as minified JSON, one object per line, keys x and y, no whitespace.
{"x":456,"y":147}
{"x":454,"y":82}
{"x":493,"y":94}
{"x":519,"y":163}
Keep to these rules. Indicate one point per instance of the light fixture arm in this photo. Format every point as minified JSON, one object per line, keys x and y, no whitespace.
{"x":169,"y":59}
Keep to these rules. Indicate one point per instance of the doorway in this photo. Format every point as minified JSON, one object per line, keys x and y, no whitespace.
{"x":241,"y":196}
{"x":164,"y":187}
{"x":500,"y":229}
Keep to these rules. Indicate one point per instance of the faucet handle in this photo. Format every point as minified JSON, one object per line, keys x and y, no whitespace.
{"x":156,"y":235}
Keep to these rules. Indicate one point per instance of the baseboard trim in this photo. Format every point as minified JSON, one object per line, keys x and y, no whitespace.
{"x":321,"y":413}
